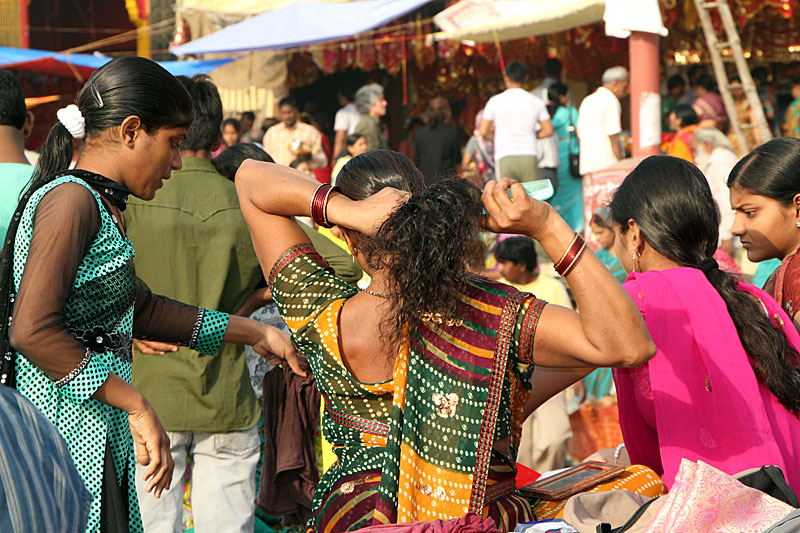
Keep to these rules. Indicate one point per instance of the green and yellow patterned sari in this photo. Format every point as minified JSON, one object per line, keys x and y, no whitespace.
{"x":440,"y":438}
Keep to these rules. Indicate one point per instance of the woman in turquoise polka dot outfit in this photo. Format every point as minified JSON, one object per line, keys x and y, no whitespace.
{"x":71,"y":302}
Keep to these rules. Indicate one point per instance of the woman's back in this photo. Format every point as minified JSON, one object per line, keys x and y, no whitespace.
{"x":422,"y":424}
{"x":699,"y":396}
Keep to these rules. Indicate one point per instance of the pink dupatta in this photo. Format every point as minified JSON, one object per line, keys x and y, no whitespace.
{"x":707,"y":401}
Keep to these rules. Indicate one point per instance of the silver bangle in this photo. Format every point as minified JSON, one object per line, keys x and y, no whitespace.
{"x":201,"y":313}
{"x":77,"y":370}
{"x":617,"y":450}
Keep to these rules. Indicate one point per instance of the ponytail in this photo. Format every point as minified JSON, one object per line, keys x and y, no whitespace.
{"x":56,"y":153}
{"x":775,"y":362}
{"x":671,"y":202}
{"x":425,"y":244}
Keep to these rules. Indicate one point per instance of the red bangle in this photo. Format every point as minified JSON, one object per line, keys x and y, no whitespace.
{"x":570,"y":257}
{"x":319,"y":205}
{"x":317,"y":201}
{"x":575,"y":261}
{"x":560,"y":263}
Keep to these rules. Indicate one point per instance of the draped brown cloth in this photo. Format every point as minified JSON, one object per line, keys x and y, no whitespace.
{"x":289,"y":474}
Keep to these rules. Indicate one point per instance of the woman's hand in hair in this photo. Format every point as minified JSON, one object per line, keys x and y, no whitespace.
{"x":518,"y":214}
{"x":366,"y":216}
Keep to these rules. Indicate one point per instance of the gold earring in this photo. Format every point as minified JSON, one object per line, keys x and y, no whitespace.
{"x":636,"y":255}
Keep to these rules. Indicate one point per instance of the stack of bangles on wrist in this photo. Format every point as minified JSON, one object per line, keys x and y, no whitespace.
{"x":319,"y":204}
{"x":571,"y":256}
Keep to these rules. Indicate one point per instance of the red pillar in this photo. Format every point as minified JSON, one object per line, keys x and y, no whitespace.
{"x":645,"y":96}
{"x":24,"y":26}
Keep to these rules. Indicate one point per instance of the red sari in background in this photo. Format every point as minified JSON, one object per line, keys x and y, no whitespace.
{"x":323,"y":174}
{"x":784,"y":284}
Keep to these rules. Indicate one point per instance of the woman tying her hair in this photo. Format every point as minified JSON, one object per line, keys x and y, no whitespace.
{"x":425,"y":375}
{"x":765,"y":194}
{"x":70,"y":301}
{"x":724,"y":386}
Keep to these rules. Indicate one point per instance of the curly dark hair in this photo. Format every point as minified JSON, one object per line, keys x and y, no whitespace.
{"x":425,"y":244}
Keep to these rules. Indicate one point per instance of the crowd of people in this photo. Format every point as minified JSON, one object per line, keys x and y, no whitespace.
{"x":374,"y":337}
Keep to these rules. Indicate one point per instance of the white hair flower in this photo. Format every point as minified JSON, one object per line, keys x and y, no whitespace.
{"x":72,"y":119}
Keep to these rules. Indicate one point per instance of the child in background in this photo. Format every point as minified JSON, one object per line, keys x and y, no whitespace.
{"x":231,"y":131}
{"x":519,"y":265}
{"x":604,"y":235}
{"x":303,"y":164}
{"x":545,"y":434}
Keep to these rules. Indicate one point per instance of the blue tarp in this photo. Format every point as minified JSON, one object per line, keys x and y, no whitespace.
{"x":85,"y":64}
{"x":300,"y":24}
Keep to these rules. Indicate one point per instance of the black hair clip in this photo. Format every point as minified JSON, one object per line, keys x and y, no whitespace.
{"x":96,"y":94}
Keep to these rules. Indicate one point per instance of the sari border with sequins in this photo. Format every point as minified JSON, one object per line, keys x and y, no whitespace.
{"x":486,"y":438}
{"x":290,"y":255}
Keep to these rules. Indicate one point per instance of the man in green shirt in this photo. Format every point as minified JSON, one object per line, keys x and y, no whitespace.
{"x":192,"y":244}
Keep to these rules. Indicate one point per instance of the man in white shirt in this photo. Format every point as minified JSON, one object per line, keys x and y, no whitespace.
{"x":346,"y":119}
{"x":519,"y":120}
{"x":714,"y":155}
{"x":599,"y":122}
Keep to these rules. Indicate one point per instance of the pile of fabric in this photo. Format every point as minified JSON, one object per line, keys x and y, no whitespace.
{"x":702,"y":498}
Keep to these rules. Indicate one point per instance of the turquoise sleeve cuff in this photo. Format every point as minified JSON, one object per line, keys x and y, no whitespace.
{"x":208,"y":331}
{"x":83,"y":386}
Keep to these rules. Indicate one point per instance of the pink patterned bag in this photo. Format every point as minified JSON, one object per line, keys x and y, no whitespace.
{"x":706,"y":499}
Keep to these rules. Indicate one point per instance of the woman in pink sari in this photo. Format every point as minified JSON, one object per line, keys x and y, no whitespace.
{"x":724,"y":385}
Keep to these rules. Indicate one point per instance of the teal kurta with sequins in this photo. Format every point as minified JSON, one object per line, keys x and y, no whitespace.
{"x":100,"y":306}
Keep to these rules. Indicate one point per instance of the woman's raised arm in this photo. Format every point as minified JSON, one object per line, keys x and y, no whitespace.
{"x":271,"y":194}
{"x":609,"y":331}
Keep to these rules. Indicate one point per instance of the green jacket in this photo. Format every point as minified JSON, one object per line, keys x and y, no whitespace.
{"x":192,"y":244}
